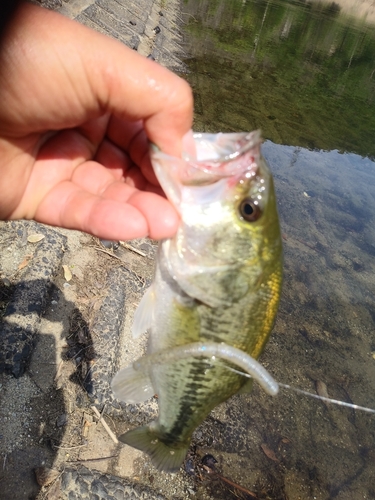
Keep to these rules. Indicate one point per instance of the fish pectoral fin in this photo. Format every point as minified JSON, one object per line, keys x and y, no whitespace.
{"x":143,"y":314}
{"x":216,"y":288}
{"x":164,"y":457}
{"x":132,"y":386}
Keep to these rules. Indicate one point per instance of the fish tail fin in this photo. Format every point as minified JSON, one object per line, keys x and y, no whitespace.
{"x":163,"y":456}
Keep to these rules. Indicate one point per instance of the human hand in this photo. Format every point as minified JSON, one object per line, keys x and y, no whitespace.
{"x":77,"y":111}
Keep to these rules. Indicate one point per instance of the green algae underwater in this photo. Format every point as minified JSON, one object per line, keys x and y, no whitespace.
{"x":299,"y":71}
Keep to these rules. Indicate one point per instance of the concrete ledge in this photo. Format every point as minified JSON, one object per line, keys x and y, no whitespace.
{"x":20,"y":322}
{"x":86,"y":484}
{"x":149,"y":26}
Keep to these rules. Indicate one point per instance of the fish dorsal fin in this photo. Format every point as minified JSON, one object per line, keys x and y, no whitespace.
{"x":132,"y":386}
{"x":143,"y":314}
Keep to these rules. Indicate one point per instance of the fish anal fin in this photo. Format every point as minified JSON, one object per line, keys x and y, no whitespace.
{"x":164,"y":457}
{"x":132,"y":386}
{"x":143,"y":314}
{"x":247,"y":387}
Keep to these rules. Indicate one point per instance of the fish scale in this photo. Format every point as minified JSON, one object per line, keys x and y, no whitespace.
{"x":192,"y":398}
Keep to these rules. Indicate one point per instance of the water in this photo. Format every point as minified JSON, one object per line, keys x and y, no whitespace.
{"x":304,"y":74}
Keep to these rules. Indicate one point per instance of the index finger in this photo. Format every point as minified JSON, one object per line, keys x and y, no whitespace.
{"x":136,"y":88}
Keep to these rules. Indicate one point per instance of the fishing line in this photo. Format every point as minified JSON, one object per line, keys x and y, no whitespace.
{"x":327,"y":400}
{"x":311,"y":395}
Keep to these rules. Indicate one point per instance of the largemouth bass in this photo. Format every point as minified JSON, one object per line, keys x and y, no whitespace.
{"x":215,"y":294}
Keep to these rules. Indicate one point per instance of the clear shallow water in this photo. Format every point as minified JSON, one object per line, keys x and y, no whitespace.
{"x":304,"y":75}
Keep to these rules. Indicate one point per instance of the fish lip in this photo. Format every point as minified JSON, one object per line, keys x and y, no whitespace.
{"x":250,"y":141}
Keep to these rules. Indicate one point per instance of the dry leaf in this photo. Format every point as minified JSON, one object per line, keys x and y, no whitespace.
{"x":54,"y":491}
{"x":25,"y":262}
{"x":269,"y":453}
{"x":67,"y":273}
{"x":85,"y":430}
{"x":34,"y":238}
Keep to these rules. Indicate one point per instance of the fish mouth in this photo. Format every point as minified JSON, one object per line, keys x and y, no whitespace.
{"x":218,"y":156}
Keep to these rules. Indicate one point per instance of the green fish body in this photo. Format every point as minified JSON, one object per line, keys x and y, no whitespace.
{"x":217,"y":281}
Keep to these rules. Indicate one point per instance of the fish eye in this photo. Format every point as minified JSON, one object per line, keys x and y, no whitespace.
{"x":249,"y":211}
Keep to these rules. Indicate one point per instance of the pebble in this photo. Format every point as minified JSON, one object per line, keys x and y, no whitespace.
{"x":62,"y":420}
